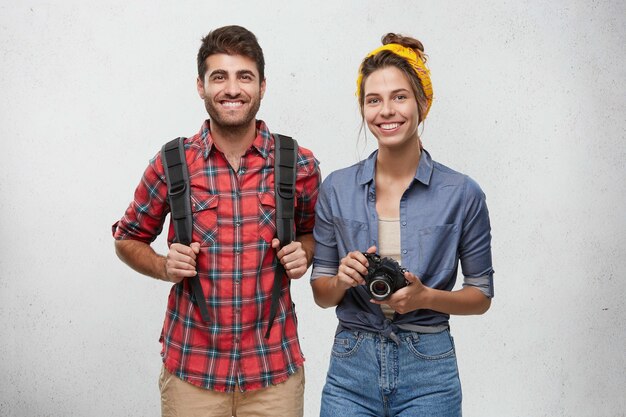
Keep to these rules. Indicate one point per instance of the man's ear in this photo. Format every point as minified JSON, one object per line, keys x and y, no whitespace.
{"x":262,"y":92}
{"x":200,"y":87}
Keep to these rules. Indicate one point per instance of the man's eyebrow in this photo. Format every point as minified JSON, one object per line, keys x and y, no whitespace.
{"x":217,"y":72}
{"x":246,"y":72}
{"x":239,"y":73}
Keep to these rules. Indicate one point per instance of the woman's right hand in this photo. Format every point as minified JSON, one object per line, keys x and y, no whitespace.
{"x":352,"y":269}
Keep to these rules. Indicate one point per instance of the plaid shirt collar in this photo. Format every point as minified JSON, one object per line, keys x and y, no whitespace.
{"x":261,"y":143}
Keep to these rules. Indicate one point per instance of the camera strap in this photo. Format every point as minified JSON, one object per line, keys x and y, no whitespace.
{"x":179,"y":196}
{"x":285,"y":156}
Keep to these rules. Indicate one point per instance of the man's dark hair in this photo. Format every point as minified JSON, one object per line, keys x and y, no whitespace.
{"x":231,"y":40}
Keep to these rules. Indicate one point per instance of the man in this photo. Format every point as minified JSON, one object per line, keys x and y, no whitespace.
{"x":226,"y":367}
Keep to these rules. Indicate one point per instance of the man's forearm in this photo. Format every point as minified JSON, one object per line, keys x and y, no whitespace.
{"x":142,"y":258}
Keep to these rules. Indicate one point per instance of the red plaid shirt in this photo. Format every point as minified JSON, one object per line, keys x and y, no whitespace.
{"x":234,"y":221}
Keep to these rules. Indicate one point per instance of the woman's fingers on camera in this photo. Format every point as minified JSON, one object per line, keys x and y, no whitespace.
{"x":410,"y":277}
{"x":349,"y":275}
{"x":358,"y":262}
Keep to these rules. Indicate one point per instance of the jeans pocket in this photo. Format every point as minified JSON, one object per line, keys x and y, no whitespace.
{"x":433,"y":346}
{"x":346,"y":344}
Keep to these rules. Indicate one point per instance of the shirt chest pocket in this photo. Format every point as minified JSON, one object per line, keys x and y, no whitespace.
{"x":205,"y":224}
{"x":267,"y":216}
{"x":351,"y":235}
{"x":438,"y":247}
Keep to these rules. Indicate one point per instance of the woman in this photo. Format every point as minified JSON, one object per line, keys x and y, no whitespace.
{"x":396,"y":356}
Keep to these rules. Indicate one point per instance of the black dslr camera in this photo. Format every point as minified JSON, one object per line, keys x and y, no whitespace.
{"x":384,"y":276}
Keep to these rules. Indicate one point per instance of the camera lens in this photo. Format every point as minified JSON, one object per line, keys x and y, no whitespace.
{"x":380,"y":288}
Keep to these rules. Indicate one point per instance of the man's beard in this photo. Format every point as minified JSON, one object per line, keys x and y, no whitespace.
{"x":221,"y":118}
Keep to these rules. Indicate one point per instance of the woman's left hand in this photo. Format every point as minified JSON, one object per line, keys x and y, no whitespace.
{"x":412,"y":297}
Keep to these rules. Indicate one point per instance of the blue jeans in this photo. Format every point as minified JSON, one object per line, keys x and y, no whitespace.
{"x":371,"y":375}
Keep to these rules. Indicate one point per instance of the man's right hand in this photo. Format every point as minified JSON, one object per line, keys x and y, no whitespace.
{"x":180,"y":261}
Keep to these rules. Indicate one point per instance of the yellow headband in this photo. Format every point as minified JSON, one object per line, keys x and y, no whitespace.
{"x":416,"y":62}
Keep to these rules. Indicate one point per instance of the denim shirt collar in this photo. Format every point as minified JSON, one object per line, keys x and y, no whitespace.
{"x":423,"y":173}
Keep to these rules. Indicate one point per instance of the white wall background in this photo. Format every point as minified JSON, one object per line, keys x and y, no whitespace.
{"x":530,"y":101}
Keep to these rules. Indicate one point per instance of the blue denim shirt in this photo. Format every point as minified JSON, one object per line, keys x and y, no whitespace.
{"x":443,"y":220}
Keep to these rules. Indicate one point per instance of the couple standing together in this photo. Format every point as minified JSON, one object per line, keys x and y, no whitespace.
{"x":389,"y":358}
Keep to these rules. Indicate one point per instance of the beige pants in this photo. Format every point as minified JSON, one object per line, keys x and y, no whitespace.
{"x":181,"y":399}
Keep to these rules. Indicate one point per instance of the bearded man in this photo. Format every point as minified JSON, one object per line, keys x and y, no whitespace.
{"x":227,"y":366}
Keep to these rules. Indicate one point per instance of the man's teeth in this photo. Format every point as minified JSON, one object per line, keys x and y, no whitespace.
{"x":389,"y":126}
{"x":232,"y":103}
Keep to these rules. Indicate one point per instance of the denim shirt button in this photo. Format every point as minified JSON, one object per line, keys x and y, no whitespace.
{"x":403,"y":224}
{"x":404,"y":251}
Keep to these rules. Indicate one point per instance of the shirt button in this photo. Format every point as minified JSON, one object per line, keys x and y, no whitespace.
{"x":242,"y":170}
{"x":237,"y":224}
{"x":404,"y":251}
{"x":403,"y":223}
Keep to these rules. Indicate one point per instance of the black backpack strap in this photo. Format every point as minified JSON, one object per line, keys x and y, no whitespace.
{"x":285,"y":156}
{"x":179,"y":196}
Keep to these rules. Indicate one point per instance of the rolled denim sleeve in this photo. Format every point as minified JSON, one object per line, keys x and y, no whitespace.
{"x":475,"y":245}
{"x":326,"y":255}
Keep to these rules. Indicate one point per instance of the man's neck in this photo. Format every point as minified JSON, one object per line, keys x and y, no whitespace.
{"x":233,"y":141}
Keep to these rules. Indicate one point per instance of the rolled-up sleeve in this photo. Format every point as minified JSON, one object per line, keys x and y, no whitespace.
{"x":326,"y":258}
{"x":307,"y":187}
{"x":475,"y":245}
{"x":145,"y":215}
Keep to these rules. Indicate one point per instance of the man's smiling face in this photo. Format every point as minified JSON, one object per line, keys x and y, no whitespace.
{"x":231,"y":90}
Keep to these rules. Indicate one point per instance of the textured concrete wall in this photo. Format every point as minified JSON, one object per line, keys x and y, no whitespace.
{"x":530,"y":102}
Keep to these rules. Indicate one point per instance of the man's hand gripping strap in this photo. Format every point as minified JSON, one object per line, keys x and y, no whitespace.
{"x":178,"y":191}
{"x":285,"y":158}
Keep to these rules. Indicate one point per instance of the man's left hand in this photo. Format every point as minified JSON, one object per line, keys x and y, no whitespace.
{"x":293,"y":257}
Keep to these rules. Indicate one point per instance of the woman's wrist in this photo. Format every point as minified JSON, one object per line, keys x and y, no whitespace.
{"x":428,"y":297}
{"x":339,"y":285}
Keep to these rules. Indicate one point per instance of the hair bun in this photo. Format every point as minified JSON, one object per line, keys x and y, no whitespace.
{"x":406,"y":41}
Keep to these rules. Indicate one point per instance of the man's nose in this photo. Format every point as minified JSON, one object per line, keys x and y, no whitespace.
{"x":232,"y":87}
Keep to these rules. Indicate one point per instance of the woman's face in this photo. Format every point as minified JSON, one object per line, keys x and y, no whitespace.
{"x":390,"y":108}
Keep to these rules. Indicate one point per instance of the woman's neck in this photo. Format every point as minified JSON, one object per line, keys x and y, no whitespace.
{"x":398,"y":163}
{"x":395,"y":170}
